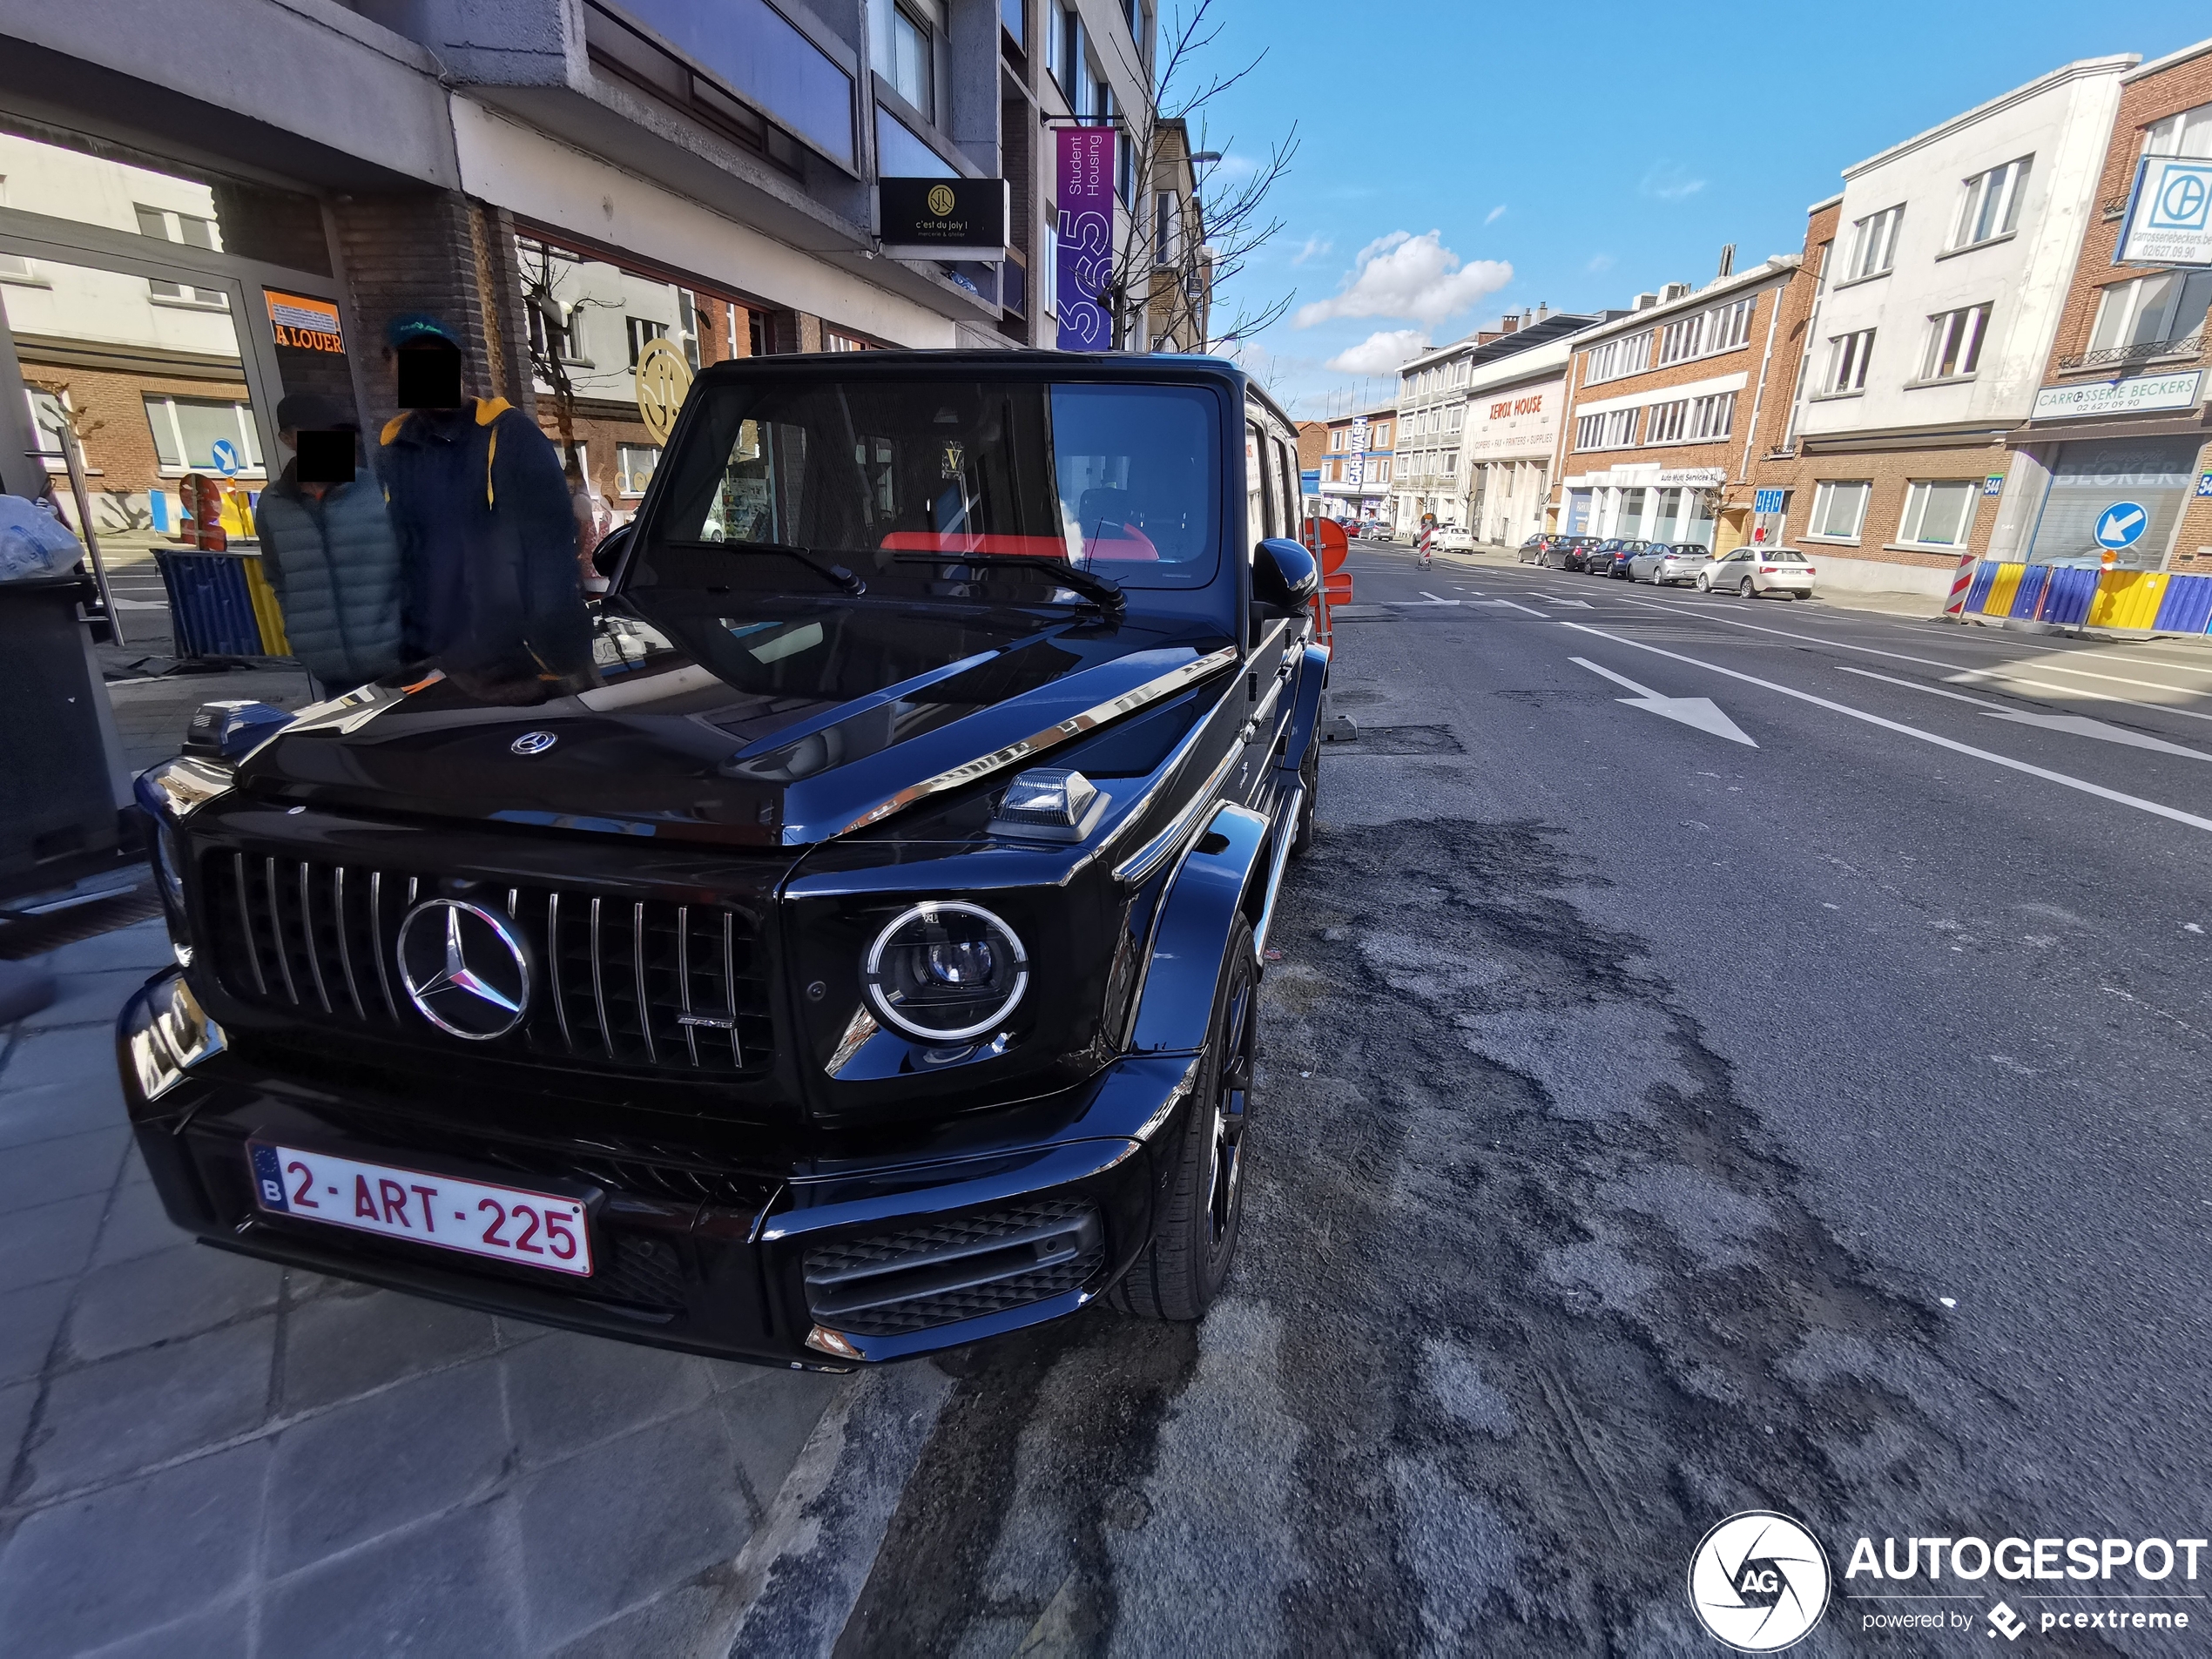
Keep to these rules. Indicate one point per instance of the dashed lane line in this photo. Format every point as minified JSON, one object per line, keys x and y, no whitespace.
{"x":2156,"y":808}
{"x":1961,"y":671}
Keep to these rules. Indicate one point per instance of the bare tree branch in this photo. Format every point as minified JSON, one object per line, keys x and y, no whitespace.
{"x":1175,"y":279}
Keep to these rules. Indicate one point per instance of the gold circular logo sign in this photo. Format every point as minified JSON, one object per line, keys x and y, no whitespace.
{"x":663,"y":379}
{"x":940,"y":200}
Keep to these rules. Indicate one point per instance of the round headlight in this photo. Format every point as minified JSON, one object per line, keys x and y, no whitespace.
{"x":947,"y":970}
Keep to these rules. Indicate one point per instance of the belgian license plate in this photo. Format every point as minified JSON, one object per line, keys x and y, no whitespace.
{"x":508,"y":1224}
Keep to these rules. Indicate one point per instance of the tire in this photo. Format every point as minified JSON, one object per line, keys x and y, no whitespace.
{"x":1309,"y":773}
{"x":1745,"y":590}
{"x":1194,"y":1235}
{"x":1703,"y":586}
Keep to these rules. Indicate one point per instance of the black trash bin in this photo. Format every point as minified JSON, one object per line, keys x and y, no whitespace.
{"x":66,"y":823}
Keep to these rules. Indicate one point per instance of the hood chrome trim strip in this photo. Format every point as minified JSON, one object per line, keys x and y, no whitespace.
{"x":1038,"y":743}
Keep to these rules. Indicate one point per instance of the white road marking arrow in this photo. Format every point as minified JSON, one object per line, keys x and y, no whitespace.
{"x":2079,"y":724}
{"x":1579,"y":605}
{"x":1700,"y":711}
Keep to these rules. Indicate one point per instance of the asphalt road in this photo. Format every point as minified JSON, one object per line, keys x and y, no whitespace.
{"x":1652,"y":1126}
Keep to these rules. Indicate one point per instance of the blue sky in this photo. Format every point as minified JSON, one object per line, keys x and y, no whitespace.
{"x":1574,"y":155}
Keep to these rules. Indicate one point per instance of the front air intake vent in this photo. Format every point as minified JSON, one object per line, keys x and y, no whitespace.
{"x":957,"y":1269}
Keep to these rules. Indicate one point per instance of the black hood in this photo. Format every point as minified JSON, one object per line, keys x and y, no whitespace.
{"x":783,"y":725}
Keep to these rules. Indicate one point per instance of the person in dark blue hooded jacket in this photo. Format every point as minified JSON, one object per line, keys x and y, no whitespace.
{"x":486,"y":532}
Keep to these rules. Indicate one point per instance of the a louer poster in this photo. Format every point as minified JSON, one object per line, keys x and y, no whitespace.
{"x":1083,"y":187}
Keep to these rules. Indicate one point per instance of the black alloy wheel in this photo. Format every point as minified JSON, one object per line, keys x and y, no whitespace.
{"x":1194,"y":1235}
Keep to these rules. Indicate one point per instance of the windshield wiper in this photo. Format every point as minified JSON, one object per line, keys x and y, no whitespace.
{"x":1101,"y":590}
{"x":836,"y":574}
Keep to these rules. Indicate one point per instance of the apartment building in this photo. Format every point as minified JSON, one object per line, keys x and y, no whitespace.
{"x":1356,"y":463}
{"x":562,"y":181}
{"x":1432,"y":403}
{"x":1941,"y":273}
{"x":1663,"y":402}
{"x":2120,"y":420}
{"x":1516,"y":392}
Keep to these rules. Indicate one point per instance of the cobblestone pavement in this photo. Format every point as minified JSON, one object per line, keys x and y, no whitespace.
{"x":207,"y":1454}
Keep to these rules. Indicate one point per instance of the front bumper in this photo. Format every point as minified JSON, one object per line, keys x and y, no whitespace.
{"x":698,"y":1248}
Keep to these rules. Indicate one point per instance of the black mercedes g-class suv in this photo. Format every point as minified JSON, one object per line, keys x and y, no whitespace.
{"x":860,"y":960}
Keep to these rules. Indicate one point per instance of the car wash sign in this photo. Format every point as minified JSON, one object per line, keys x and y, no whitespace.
{"x":2169,"y":214}
{"x":1084,"y":190}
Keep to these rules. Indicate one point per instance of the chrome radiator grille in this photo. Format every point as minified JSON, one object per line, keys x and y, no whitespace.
{"x":617,"y":981}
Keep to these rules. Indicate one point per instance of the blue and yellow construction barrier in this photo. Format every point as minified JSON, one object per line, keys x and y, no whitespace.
{"x":2155,"y":601}
{"x":220,"y":604}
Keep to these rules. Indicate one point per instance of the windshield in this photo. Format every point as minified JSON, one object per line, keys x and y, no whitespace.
{"x":878,"y":475}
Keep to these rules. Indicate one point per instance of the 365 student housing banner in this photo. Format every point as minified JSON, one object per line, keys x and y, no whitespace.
{"x":1083,"y":186}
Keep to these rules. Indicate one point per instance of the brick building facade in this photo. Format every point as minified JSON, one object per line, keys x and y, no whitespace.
{"x":2122,"y":417}
{"x":1664,"y":405}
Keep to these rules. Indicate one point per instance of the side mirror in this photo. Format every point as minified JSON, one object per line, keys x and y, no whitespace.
{"x":614,"y":547}
{"x":1284,"y":577}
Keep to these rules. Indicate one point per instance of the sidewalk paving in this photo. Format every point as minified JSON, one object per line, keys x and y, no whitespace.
{"x":208,"y":1454}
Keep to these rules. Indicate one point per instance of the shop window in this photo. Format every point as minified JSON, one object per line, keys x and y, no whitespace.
{"x":1954,"y":344}
{"x":1838,"y":509}
{"x":1938,"y":513}
{"x":634,"y":464}
{"x":1874,"y":246}
{"x":2189,"y":133}
{"x":186,"y":429}
{"x":2158,"y":474}
{"x":1989,"y":205}
{"x":2164,"y":310}
{"x":1847,"y":357}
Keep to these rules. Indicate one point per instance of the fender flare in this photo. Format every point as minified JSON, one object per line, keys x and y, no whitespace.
{"x":1306,"y":713}
{"x":1199,"y":908}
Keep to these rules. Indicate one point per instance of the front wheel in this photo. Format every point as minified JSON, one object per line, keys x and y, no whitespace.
{"x":1194,"y":1237}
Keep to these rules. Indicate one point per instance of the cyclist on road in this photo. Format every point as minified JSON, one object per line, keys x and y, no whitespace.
{"x":1427,"y":544}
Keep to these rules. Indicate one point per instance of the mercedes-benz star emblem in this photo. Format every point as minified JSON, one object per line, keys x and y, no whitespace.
{"x":533,"y":742}
{"x":464,"y":968}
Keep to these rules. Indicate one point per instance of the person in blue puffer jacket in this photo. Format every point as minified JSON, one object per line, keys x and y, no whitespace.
{"x":329,"y":553}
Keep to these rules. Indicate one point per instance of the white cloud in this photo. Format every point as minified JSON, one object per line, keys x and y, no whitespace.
{"x":1379,"y":354}
{"x":1405,"y":275}
{"x":1314,"y":249}
{"x":1669,"y":181}
{"x":1494,"y":214}
{"x":1601,"y":262}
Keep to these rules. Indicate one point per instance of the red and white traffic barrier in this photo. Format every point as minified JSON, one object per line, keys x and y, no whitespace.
{"x":1960,"y":581}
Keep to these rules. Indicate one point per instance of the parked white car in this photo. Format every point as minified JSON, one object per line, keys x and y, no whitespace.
{"x":1752,"y":570}
{"x":1662,"y":563}
{"x":1453,"y":539}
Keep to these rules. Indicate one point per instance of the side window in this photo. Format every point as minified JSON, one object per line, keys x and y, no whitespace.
{"x":1259,"y":510}
{"x":1286,"y":469}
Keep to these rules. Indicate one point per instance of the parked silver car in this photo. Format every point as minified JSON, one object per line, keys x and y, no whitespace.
{"x":1662,"y":563}
{"x":1751,"y":570}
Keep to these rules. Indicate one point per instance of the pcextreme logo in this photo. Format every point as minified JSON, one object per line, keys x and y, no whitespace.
{"x":1758,"y":1581}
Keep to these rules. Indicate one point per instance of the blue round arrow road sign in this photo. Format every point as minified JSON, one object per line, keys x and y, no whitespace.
{"x":224,"y":456}
{"x":2121,"y":523}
